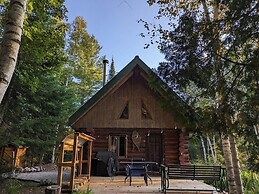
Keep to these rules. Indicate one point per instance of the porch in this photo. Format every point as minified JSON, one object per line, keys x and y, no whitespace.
{"x":108,"y":185}
{"x":116,"y":184}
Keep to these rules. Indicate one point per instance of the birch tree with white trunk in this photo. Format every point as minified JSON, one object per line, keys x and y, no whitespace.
{"x":11,"y":43}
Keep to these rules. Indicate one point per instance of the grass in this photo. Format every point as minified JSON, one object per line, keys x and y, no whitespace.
{"x":87,"y":191}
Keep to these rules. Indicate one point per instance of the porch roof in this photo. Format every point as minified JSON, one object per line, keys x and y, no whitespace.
{"x":82,"y":138}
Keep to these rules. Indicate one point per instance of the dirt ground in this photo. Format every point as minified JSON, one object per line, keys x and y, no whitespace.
{"x":23,"y":187}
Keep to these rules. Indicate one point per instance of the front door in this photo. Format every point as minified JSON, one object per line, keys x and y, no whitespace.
{"x":154,"y":147}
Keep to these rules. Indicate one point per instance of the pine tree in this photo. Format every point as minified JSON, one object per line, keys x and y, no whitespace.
{"x":83,"y":72}
{"x":112,"y":70}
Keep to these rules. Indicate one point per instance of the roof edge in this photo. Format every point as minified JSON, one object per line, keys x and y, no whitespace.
{"x":106,"y":88}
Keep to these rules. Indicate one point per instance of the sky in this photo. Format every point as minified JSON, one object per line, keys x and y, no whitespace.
{"x":115,"y":27}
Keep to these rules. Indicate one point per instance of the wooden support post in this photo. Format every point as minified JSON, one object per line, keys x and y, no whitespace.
{"x":13,"y":159}
{"x":80,"y":161}
{"x":60,"y":167}
{"x":90,"y":143}
{"x":73,"y":168}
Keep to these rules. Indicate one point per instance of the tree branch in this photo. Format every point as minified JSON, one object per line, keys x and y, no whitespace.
{"x":205,"y":7}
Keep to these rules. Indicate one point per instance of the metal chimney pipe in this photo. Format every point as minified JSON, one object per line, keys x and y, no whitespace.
{"x":105,"y":62}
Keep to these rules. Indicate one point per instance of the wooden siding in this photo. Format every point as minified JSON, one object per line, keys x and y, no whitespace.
{"x":171,"y":146}
{"x":170,"y":143}
{"x":183,"y":148}
{"x":106,"y":113}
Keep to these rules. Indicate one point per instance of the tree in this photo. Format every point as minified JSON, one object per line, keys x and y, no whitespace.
{"x":10,"y":43}
{"x":112,"y":70}
{"x":83,"y":72}
{"x":37,"y":100}
{"x":213,"y":46}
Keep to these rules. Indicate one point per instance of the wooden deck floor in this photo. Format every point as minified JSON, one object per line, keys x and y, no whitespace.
{"x":115,"y":185}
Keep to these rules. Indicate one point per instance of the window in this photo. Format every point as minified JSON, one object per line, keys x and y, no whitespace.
{"x":144,"y":111}
{"x":125,"y":112}
{"x":118,"y":144}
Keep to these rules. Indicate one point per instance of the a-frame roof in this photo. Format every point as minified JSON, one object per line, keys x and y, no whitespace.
{"x":116,"y":80}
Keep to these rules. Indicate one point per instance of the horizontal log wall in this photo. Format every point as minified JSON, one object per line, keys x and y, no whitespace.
{"x":170,"y":143}
{"x":171,"y":146}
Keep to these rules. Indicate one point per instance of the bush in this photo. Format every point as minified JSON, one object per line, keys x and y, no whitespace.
{"x":13,"y":186}
{"x":250,"y":182}
{"x":4,"y":167}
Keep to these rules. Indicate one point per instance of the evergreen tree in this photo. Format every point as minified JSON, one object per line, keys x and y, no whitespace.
{"x":112,"y":70}
{"x":83,"y":72}
{"x":37,"y":104}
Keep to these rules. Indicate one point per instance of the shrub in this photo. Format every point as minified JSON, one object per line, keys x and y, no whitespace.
{"x":13,"y":186}
{"x":250,"y":182}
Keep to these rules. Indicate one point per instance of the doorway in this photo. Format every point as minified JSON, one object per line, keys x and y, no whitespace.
{"x":154,"y":148}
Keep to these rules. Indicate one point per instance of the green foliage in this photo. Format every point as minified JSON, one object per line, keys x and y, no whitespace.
{"x":4,"y":167}
{"x":37,"y":104}
{"x":2,"y":1}
{"x":87,"y":191}
{"x":54,"y":75}
{"x":196,"y":152}
{"x":13,"y":186}
{"x":83,"y":72}
{"x":250,"y":182}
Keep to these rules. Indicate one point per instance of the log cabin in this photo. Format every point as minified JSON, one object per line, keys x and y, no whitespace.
{"x":134,"y":116}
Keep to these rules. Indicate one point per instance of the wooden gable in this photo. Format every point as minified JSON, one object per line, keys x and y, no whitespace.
{"x":137,"y":98}
{"x":128,"y":91}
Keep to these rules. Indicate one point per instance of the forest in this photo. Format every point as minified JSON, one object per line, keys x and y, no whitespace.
{"x":211,"y":50}
{"x":58,"y":68}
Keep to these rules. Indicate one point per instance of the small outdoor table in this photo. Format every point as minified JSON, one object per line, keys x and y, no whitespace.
{"x":137,"y":168}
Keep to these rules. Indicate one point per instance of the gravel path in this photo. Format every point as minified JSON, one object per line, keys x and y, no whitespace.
{"x":46,"y":176}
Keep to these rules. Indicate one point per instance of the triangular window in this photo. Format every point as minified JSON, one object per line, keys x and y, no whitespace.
{"x":125,"y":112}
{"x":144,"y":111}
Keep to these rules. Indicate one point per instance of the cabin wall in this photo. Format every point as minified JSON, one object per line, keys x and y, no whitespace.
{"x":107,"y":112}
{"x":171,"y":144}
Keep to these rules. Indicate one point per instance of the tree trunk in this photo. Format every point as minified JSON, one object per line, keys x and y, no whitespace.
{"x":236,"y":165}
{"x":204,"y":150}
{"x":229,"y":164}
{"x":256,"y":130}
{"x":11,"y":43}
{"x":53,"y":154}
{"x":54,"y":146}
{"x":212,"y":150}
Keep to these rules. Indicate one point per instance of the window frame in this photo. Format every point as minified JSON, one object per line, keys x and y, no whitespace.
{"x":110,"y":144}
